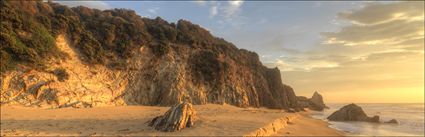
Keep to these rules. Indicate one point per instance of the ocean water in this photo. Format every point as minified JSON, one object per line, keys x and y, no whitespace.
{"x":410,"y":116}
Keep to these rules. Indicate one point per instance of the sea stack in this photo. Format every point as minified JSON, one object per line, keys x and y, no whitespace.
{"x":314,"y":103}
{"x":317,"y":102}
{"x":352,"y":112}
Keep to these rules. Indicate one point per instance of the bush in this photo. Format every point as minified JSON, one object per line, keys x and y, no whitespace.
{"x":103,"y":37}
{"x":61,"y":74}
{"x":160,"y":49}
{"x":205,"y":65}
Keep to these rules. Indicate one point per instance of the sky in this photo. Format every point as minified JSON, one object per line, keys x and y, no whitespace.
{"x":349,"y":51}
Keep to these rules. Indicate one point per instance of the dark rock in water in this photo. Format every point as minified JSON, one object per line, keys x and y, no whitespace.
{"x":176,"y":118}
{"x":352,"y":112}
{"x":314,"y":103}
{"x":374,"y":119}
{"x":393,"y":121}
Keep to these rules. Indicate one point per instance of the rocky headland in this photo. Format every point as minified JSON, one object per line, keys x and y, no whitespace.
{"x":55,"y":56}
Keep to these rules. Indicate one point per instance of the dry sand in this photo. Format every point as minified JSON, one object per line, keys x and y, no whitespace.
{"x":212,"y":120}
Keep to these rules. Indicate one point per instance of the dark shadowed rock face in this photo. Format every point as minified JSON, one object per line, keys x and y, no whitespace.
{"x":352,"y":112}
{"x":176,"y":118}
{"x":303,"y":102}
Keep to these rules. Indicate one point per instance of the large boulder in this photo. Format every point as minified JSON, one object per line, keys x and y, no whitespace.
{"x":176,"y":118}
{"x":393,"y":121}
{"x":352,"y":112}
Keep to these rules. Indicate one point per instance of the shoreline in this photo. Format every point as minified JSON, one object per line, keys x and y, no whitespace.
{"x":306,"y":125}
{"x":131,"y":121}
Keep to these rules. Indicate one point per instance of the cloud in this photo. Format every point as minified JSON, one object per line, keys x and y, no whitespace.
{"x":91,"y":4}
{"x":380,"y":52}
{"x":375,"y":13}
{"x":300,"y":64}
{"x":213,"y":11}
{"x":232,"y":9}
{"x":201,"y":2}
{"x":379,"y":70}
{"x":380,"y":24}
{"x":153,"y":10}
{"x":227,"y":10}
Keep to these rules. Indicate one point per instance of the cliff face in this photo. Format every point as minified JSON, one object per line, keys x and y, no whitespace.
{"x":154,"y":63}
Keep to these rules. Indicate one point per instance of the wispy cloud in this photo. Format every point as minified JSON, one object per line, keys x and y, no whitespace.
{"x":226,"y":10}
{"x":201,"y":2}
{"x":381,"y":48}
{"x":380,"y":24}
{"x":91,"y":4}
{"x":232,"y":9}
{"x":213,"y":11}
{"x":153,"y":10}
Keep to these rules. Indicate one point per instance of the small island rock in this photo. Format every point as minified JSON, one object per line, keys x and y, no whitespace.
{"x":352,"y":112}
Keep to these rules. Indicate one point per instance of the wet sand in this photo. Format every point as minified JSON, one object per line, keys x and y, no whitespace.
{"x":305,"y":125}
{"x":213,"y":120}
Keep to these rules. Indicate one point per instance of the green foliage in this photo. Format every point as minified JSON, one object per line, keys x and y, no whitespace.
{"x":160,"y":49}
{"x":24,"y":39}
{"x":106,"y":37}
{"x":206,"y":66}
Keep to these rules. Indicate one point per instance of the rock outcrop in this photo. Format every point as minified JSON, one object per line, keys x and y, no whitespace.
{"x":352,"y":112}
{"x":176,"y":118}
{"x":314,"y":103}
{"x":393,"y":121}
{"x":141,"y":62}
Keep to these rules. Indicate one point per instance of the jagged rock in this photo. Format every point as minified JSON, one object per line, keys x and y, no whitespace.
{"x":393,"y":121}
{"x":176,"y":118}
{"x":49,"y":95}
{"x":314,"y":103}
{"x":352,"y":112}
{"x":303,"y":102}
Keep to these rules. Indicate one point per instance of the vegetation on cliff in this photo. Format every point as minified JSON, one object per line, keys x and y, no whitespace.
{"x":103,"y":37}
{"x":160,"y":63}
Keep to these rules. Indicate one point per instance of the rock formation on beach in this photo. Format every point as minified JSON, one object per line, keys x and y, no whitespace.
{"x":176,"y":118}
{"x":56,"y":56}
{"x":352,"y":112}
{"x":392,"y":121}
{"x":314,"y":103}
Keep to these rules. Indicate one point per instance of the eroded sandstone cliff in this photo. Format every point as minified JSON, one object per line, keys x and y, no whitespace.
{"x":160,"y":63}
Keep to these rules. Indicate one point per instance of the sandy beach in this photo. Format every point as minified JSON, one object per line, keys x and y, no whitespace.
{"x":131,"y":121}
